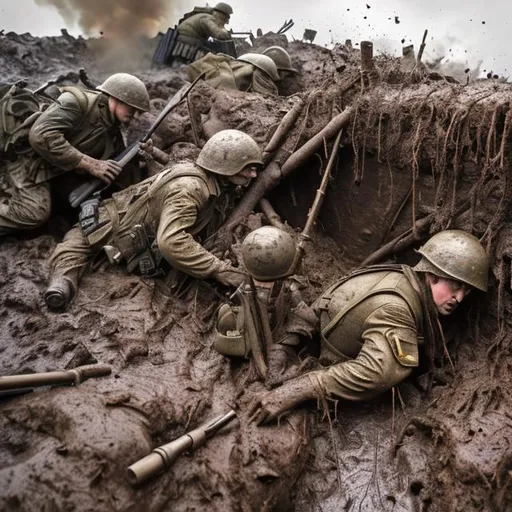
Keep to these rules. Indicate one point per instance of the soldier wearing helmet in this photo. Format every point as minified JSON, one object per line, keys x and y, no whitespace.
{"x":197,"y":27}
{"x":154,"y":226}
{"x":268,"y":255}
{"x":251,"y":72}
{"x":376,"y":323}
{"x":281,"y":59}
{"x":79,"y":132}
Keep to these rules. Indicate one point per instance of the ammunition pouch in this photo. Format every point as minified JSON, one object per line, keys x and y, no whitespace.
{"x":139,"y":250}
{"x":88,"y":218}
{"x":229,"y":334}
{"x":186,"y":47}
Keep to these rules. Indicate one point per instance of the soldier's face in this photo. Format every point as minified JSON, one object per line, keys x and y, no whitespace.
{"x":122,"y":112}
{"x":244,"y":177}
{"x":447,"y":293}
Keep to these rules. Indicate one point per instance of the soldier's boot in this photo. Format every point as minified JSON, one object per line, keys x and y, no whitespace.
{"x":59,"y":293}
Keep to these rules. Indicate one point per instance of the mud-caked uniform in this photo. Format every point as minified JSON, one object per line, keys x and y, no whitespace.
{"x":193,"y":34}
{"x":372,"y":324}
{"x":148,"y":224}
{"x":79,"y":123}
{"x":225,"y":72}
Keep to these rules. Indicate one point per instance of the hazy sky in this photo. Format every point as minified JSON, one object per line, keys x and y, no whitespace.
{"x":467,"y":30}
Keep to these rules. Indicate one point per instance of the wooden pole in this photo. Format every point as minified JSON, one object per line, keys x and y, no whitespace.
{"x":422,"y":46}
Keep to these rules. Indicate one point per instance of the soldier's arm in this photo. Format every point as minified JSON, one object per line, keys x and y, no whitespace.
{"x":48,"y":134}
{"x":212,"y":29}
{"x":185,"y":197}
{"x":389,"y":352}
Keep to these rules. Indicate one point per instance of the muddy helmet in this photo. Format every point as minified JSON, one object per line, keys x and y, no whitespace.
{"x":224,"y":8}
{"x":262,"y":62}
{"x":455,"y":254}
{"x":228,"y":152}
{"x":128,"y":89}
{"x":268,"y":253}
{"x":280,"y":57}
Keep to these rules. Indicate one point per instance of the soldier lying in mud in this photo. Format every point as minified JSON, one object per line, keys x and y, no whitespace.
{"x":156,"y":224}
{"x":79,"y":132}
{"x":375,"y":323}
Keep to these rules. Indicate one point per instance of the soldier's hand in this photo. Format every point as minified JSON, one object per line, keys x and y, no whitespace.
{"x":230,"y":277}
{"x":146,"y":150}
{"x":280,"y":357}
{"x":269,"y":406}
{"x":105,"y":170}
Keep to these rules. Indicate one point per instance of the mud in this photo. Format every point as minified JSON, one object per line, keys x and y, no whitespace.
{"x":415,"y":146}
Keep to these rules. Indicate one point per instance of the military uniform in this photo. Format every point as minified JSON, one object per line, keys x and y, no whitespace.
{"x":372,"y":324}
{"x":158,"y":219}
{"x":79,"y":123}
{"x":224,"y":72}
{"x":193,"y":34}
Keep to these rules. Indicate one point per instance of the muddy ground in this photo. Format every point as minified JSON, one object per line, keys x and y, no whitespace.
{"x":448,"y":450}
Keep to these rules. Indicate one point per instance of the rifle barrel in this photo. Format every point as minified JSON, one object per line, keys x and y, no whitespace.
{"x":163,"y":457}
{"x":74,"y":376}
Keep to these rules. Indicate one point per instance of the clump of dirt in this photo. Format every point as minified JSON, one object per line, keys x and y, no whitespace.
{"x":414,"y":148}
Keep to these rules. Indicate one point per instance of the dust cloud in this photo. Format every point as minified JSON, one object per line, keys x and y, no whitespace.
{"x":117,"y":19}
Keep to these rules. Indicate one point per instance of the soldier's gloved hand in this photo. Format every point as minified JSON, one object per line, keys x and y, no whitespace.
{"x":229,"y":276}
{"x":268,"y":406}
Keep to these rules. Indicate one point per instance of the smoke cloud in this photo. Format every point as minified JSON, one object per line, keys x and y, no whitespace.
{"x":116,"y":19}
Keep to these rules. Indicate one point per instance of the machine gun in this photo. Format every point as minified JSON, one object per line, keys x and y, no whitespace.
{"x":86,"y":190}
{"x":19,"y":384}
{"x":163,"y":457}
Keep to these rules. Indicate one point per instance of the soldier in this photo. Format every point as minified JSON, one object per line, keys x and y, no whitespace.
{"x":374,"y":322}
{"x":269,"y":255}
{"x":80,"y":131}
{"x":281,"y":59}
{"x":157,"y":222}
{"x":251,"y":72}
{"x":194,"y":31}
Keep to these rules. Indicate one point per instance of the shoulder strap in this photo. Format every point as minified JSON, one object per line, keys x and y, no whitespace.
{"x":164,"y":177}
{"x":375,"y":268}
{"x":81,"y":97}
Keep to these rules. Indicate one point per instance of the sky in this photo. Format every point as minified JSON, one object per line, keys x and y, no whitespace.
{"x":470,"y":31}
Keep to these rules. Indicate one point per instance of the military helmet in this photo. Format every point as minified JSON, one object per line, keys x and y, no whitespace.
{"x":262,"y":62}
{"x":228,"y":152}
{"x":280,"y":57}
{"x":268,"y":253}
{"x":455,"y":254}
{"x":224,"y":8}
{"x":128,"y":89}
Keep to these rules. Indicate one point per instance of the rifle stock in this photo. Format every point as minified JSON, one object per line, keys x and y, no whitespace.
{"x":84,"y":191}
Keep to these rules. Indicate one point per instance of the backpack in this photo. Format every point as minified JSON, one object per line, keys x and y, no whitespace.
{"x":19,"y":108}
{"x":196,"y":10}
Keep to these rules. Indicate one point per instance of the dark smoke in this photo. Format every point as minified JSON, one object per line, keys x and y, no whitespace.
{"x":117,"y":19}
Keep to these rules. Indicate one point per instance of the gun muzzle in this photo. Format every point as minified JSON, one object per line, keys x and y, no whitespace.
{"x":163,"y":457}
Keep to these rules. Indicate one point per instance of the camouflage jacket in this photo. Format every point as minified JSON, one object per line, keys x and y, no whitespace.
{"x":202,"y":26}
{"x":80,"y":123}
{"x":371,"y":325}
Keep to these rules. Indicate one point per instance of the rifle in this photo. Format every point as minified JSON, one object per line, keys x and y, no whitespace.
{"x":84,"y":191}
{"x":163,"y":457}
{"x":15,"y":384}
{"x":305,"y":235}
